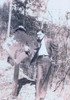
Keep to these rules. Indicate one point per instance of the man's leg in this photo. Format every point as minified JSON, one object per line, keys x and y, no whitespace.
{"x":15,"y":83}
{"x":38,"y":83}
{"x":45,"y":83}
{"x":43,"y":74}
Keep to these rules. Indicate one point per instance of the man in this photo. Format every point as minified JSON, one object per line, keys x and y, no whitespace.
{"x":44,"y":53}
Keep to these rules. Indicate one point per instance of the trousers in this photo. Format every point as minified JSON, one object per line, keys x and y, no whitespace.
{"x":43,"y":74}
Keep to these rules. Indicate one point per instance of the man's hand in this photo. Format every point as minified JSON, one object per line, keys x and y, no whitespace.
{"x":27,"y":49}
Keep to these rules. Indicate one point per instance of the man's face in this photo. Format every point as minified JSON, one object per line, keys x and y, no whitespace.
{"x":40,"y":36}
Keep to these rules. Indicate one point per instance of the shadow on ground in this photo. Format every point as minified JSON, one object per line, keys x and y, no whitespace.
{"x":24,"y":81}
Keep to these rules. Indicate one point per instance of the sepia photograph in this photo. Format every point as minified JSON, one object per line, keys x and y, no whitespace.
{"x":34,"y":49}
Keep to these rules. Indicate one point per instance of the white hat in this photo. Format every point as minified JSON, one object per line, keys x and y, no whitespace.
{"x":21,"y":27}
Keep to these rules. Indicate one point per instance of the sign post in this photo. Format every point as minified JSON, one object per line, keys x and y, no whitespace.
{"x":9,"y":21}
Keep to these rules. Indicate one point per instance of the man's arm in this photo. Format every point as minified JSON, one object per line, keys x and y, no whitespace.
{"x":54,"y":45}
{"x":35,"y":54}
{"x":54,"y":50}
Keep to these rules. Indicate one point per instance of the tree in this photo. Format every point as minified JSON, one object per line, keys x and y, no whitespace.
{"x":4,"y":16}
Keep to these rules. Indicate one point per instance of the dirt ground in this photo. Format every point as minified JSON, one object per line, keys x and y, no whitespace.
{"x":27,"y":87}
{"x":6,"y":79}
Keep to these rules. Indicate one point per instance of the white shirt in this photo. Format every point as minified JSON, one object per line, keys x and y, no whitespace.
{"x":42,"y":50}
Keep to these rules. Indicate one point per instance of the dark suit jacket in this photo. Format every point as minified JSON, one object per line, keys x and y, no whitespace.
{"x":51,"y":47}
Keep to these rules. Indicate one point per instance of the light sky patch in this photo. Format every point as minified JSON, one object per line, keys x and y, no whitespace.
{"x":58,"y":10}
{"x":3,"y":1}
{"x":59,"y":4}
